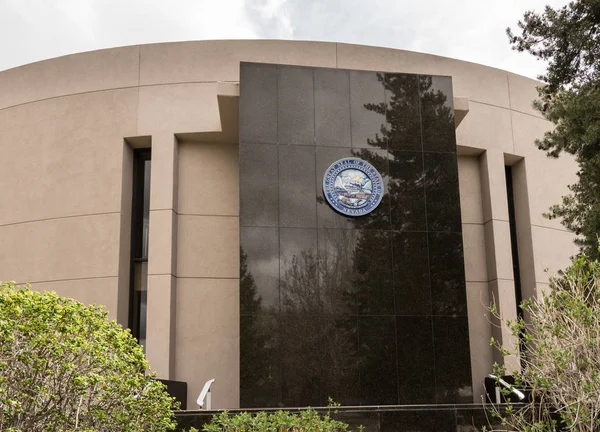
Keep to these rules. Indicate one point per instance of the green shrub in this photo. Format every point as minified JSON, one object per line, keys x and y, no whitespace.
{"x":304,"y":421}
{"x":558,"y":344}
{"x":64,"y":367}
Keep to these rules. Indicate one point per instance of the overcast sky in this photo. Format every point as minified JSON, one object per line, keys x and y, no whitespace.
{"x":472,"y":30}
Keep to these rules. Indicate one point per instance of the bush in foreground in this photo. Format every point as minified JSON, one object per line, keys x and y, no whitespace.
{"x":64,"y":367}
{"x":304,"y":421}
{"x":560,"y":354}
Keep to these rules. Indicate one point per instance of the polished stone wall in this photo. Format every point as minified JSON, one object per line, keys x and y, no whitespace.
{"x":368,"y":310}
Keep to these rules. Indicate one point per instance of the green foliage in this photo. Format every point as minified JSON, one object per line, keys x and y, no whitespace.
{"x":569,"y":39}
{"x":304,"y":421}
{"x":65,"y":367}
{"x":560,"y":353}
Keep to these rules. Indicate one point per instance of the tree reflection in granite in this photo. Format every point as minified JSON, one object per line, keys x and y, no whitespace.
{"x":259,"y":365}
{"x":335,"y":332}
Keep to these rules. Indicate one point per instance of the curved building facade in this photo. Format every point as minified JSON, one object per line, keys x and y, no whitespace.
{"x":182,"y":186}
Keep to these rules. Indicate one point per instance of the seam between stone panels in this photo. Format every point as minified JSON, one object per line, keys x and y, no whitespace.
{"x":505,"y":108}
{"x":111,"y":89}
{"x":67,"y":95}
{"x":206,"y":215}
{"x":512,"y":130}
{"x":70,"y":279}
{"x":494,"y":219}
{"x":59,"y":217}
{"x":553,"y":228}
{"x":195,"y":214}
{"x":427,"y":241}
{"x":209,"y":277}
{"x":137,"y":112}
{"x":500,"y":279}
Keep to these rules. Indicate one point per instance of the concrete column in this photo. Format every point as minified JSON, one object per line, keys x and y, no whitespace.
{"x":501,"y":283}
{"x":125,"y":237}
{"x":162,"y":280}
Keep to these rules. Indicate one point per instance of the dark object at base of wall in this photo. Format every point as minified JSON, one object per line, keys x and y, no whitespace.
{"x":178,"y":390}
{"x":393,"y":418}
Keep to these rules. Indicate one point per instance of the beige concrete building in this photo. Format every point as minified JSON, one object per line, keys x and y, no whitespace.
{"x":70,"y":130}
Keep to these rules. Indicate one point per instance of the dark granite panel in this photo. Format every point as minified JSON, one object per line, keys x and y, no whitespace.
{"x":258,"y":103}
{"x":453,"y":376}
{"x":402,"y":111}
{"x":296,"y":105}
{"x":259,"y":270}
{"x":437,"y":113}
{"x":442,"y":193}
{"x":367,"y":105}
{"x":339,"y":353}
{"x":297,"y":200}
{"x":407,"y":174}
{"x":177,"y":390}
{"x":363,"y":421}
{"x":411,"y":274}
{"x":301,"y":338}
{"x":406,"y":191}
{"x":318,"y":355}
{"x":332,"y":107}
{"x":373,"y":272}
{"x":260,"y":361}
{"x":474,"y":419}
{"x":337,"y":276}
{"x":418,"y":421}
{"x":259,"y":191}
{"x":447,"y":274}
{"x":377,"y":354}
{"x":416,"y":362}
{"x":298,"y":271}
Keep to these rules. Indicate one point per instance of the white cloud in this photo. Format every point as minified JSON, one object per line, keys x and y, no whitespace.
{"x":471,"y":30}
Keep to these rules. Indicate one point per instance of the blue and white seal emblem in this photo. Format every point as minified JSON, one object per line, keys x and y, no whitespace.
{"x":353,"y":186}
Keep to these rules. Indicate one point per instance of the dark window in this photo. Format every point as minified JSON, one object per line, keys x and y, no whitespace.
{"x":513,"y":238}
{"x":139,"y":244}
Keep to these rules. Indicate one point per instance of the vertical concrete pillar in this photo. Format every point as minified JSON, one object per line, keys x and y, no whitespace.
{"x":125,"y":236}
{"x":524,"y":234}
{"x":162,"y":280}
{"x":501,"y":282}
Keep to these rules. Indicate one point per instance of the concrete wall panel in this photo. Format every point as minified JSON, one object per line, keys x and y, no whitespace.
{"x":98,"y":291}
{"x":480,"y":332}
{"x":178,"y":108}
{"x":60,"y":249}
{"x":208,"y":246}
{"x":64,"y":157}
{"x":78,"y":73}
{"x":208,"y":333}
{"x":205,"y":61}
{"x":486,"y":127}
{"x":552,"y":249}
{"x":469,"y":180}
{"x":208,"y":179}
{"x":522,"y":93}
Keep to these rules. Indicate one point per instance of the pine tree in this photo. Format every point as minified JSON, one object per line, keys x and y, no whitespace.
{"x":569,"y":40}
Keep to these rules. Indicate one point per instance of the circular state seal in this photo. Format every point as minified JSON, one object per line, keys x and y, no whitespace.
{"x":352,"y":186}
